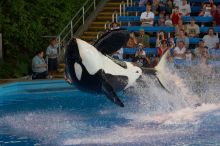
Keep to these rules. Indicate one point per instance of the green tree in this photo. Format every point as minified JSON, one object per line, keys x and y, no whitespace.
{"x":23,"y":23}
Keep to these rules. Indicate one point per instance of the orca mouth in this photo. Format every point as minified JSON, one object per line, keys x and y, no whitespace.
{"x":139,"y":79}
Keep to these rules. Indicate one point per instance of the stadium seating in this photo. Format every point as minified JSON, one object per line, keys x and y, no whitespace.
{"x":200,"y":19}
{"x":164,"y":28}
{"x":194,"y":9}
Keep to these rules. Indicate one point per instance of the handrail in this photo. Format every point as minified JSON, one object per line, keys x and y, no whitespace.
{"x":77,"y":20}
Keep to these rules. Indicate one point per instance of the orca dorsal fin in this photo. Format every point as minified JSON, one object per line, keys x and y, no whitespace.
{"x":112,"y":41}
{"x":109,"y":92}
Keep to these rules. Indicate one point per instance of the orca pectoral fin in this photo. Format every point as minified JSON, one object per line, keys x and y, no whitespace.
{"x":110,"y":93}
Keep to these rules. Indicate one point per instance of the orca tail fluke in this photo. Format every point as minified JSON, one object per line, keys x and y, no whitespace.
{"x":160,"y":68}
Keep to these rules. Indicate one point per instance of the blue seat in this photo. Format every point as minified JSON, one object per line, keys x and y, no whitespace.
{"x":150,"y":28}
{"x":197,"y":19}
{"x":194,"y":9}
{"x":194,"y":40}
{"x":148,"y":51}
{"x":128,"y":18}
{"x":135,"y":9}
{"x":205,"y":29}
{"x":202,"y":1}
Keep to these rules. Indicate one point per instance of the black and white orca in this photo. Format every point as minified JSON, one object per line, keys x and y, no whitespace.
{"x":90,"y":70}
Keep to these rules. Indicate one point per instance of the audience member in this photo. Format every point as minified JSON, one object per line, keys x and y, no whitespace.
{"x":143,"y":3}
{"x":192,"y":29}
{"x":169,"y":6}
{"x":199,"y":49}
{"x":155,"y":7}
{"x":168,"y":21}
{"x":52,"y":54}
{"x":175,"y":16}
{"x":180,"y":50}
{"x":118,"y":54}
{"x":143,"y":38}
{"x":161,"y":20}
{"x":140,"y":58}
{"x":160,"y":37}
{"x":216,"y":16}
{"x":205,"y":56}
{"x":211,"y":39}
{"x":39,"y":66}
{"x":188,"y":56}
{"x":132,"y":42}
{"x":182,"y":37}
{"x":185,"y":8}
{"x":215,"y":52}
{"x":163,"y":48}
{"x":114,"y":25}
{"x":147,"y":17}
{"x":179,"y":27}
{"x":177,"y":3}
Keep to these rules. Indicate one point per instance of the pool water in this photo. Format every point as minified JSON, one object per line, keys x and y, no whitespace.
{"x":51,"y":112}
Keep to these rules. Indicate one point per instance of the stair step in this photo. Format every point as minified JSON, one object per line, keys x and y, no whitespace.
{"x":91,"y":33}
{"x":113,"y":4}
{"x":61,"y":65}
{"x":104,"y":18}
{"x":97,"y":28}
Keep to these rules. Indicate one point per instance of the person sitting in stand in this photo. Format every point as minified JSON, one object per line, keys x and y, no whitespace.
{"x":216,"y":15}
{"x":211,"y":39}
{"x":192,"y":29}
{"x":143,"y":38}
{"x":175,"y":16}
{"x":182,"y":37}
{"x":147,"y":17}
{"x":140,"y":58}
{"x":180,"y":50}
{"x":39,"y":66}
{"x":215,"y":52}
{"x":185,"y":8}
{"x":199,"y":49}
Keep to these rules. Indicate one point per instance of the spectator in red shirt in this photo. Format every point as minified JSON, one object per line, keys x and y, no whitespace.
{"x":175,"y":16}
{"x":216,"y":16}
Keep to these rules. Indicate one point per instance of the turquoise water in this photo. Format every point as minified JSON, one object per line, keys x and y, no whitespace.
{"x":51,"y":112}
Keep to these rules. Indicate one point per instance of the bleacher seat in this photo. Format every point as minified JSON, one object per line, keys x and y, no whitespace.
{"x":185,"y":19}
{"x":148,"y":51}
{"x":198,"y":19}
{"x":194,"y":9}
{"x":150,"y":28}
{"x":164,"y":28}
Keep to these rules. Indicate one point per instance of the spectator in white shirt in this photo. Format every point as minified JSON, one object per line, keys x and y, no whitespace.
{"x":177,"y":2}
{"x":147,"y":18}
{"x":185,"y":8}
{"x":210,"y":39}
{"x":180,"y":50}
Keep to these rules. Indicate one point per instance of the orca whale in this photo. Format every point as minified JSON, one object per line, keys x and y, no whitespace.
{"x":91,"y":71}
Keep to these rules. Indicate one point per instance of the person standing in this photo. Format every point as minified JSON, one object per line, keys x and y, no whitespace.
{"x":52,"y":54}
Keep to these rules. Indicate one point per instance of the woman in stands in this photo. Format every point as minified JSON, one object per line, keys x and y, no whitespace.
{"x":216,"y":16}
{"x":179,"y":26}
{"x":182,"y":37}
{"x":175,"y":16}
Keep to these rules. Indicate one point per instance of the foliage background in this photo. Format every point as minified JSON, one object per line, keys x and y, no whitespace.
{"x":23,"y":23}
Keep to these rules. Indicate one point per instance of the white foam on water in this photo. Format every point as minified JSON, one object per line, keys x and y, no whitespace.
{"x":150,"y":129}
